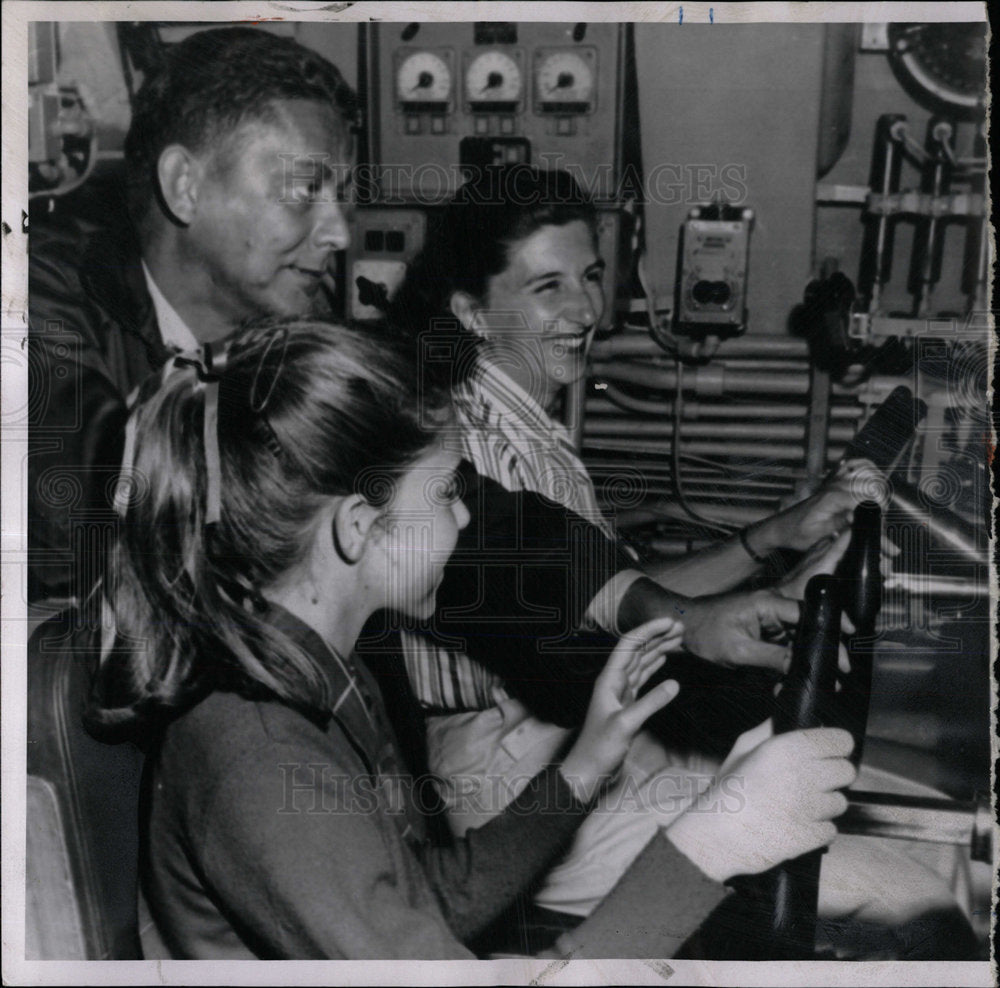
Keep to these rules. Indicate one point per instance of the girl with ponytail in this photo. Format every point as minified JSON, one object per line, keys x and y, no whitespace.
{"x":275,"y":494}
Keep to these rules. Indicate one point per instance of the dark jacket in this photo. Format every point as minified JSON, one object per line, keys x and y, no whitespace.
{"x":270,"y":835}
{"x":92,"y":339}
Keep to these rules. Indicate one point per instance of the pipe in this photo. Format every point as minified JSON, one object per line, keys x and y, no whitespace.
{"x":928,"y":240}
{"x":923,"y":818}
{"x":708,"y":430}
{"x":705,"y":380}
{"x":616,"y":402}
{"x":819,"y":431}
{"x":574,"y":417}
{"x":758,"y":451}
{"x":878,"y":241}
{"x":944,"y":527}
{"x":977,"y":242}
{"x":753,"y":344}
{"x":708,"y":498}
{"x":926,"y":585}
{"x":722,"y":486}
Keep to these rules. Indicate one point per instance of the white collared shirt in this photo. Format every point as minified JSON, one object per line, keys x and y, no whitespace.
{"x":512,"y":440}
{"x":173,"y":330}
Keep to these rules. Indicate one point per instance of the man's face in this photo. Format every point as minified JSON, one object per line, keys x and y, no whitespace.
{"x":270,"y":212}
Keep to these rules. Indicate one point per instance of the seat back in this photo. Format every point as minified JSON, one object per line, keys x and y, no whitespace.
{"x":83,"y":806}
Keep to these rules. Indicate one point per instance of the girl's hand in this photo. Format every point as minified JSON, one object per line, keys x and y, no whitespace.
{"x":775,"y":801}
{"x":615,"y":716}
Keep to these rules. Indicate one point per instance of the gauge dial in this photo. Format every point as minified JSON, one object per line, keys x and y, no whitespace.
{"x":493,"y":77}
{"x":423,"y":77}
{"x":943,"y":66}
{"x":564,"y":77}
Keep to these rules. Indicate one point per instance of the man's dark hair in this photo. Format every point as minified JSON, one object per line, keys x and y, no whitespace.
{"x":212,"y":82}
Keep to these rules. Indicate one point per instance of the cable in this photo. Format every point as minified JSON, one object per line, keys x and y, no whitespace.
{"x":661,"y":335}
{"x":675,"y":454}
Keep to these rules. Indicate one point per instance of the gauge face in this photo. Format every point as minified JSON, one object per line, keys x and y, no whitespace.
{"x":423,"y":77}
{"x":493,"y":77}
{"x":943,"y":66}
{"x":564,"y":77}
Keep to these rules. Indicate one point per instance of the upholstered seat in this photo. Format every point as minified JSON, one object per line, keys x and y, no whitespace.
{"x":82,"y":809}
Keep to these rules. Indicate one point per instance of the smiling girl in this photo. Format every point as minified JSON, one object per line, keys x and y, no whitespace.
{"x":276,"y":494}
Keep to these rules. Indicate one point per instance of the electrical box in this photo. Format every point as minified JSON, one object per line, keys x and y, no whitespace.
{"x":384,"y":242}
{"x":712,"y":272}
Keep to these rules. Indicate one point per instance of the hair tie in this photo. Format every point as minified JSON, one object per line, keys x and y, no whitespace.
{"x":213,"y":465}
{"x":209,"y":364}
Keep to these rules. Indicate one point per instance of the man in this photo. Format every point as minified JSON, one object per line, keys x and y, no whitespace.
{"x":236,"y":161}
{"x":235,"y":211}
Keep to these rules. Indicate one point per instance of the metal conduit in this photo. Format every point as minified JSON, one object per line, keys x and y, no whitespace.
{"x":706,"y":380}
{"x":768,"y":431}
{"x":612,"y":405}
{"x":721,"y":430}
{"x":748,"y":488}
{"x":757,"y":344}
{"x":756,"y":451}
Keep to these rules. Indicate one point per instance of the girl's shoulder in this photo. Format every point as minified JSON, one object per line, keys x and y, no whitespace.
{"x":226,"y":729}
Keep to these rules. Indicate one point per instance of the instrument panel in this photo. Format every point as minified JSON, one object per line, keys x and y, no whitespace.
{"x":448,"y":97}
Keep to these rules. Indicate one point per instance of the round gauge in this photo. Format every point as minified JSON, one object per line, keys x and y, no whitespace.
{"x":423,"y":77}
{"x":493,"y":77}
{"x":564,"y":77}
{"x":943,"y":66}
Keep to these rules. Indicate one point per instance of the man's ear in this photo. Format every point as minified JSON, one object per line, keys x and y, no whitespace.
{"x":180,"y":174}
{"x":463,"y":308}
{"x":353,"y":521}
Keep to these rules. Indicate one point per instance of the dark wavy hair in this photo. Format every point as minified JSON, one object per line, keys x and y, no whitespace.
{"x":212,"y":82}
{"x":471,"y":241}
{"x":343,"y":414}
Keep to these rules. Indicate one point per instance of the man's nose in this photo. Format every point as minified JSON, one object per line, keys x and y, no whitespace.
{"x":331,"y":230}
{"x":462,"y":516}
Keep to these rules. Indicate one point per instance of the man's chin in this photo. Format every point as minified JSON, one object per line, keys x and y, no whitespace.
{"x":312,"y":304}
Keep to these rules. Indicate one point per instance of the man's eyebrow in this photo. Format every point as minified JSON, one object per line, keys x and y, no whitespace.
{"x":313,"y":165}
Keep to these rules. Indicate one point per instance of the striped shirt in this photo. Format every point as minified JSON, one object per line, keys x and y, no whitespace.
{"x":513,"y":441}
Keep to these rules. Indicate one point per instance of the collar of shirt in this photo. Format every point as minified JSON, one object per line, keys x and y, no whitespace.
{"x":359,"y":710}
{"x":493,"y":395}
{"x":173,"y":330}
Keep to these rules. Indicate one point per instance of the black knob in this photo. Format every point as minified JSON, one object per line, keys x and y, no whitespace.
{"x":425,"y":80}
{"x":812,"y":674}
{"x":859,"y":570}
{"x":789,"y":893}
{"x":565,"y":80}
{"x":859,"y":574}
{"x":494,"y":80}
